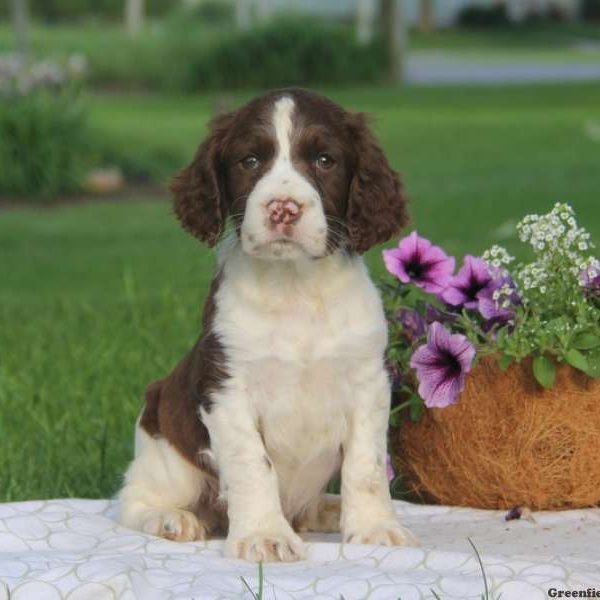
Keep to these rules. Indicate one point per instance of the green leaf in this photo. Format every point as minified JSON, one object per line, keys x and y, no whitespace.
{"x":544,"y":371}
{"x":417,"y":408}
{"x":593,"y":364}
{"x":577,"y":359}
{"x":586,"y":341}
{"x":500,"y":338}
{"x":505,"y":362}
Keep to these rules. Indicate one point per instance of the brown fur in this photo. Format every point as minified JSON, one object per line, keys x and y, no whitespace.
{"x":376,"y":204}
{"x":362,"y":198}
{"x":172,"y":404}
{"x":199,"y":203}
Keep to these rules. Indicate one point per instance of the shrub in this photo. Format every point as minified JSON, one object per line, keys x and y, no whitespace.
{"x":282,"y":52}
{"x":483,"y":16}
{"x":213,"y":12}
{"x":61,"y":10}
{"x":590,"y":10}
{"x":43,"y":129}
{"x":129,"y":64}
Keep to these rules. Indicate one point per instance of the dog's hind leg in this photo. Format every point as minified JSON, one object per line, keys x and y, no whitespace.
{"x":164,"y":494}
{"x":322,"y":516}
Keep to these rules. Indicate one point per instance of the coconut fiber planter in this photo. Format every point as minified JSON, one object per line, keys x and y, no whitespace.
{"x":507,"y":442}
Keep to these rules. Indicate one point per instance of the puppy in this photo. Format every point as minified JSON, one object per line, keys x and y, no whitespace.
{"x":286,"y":386}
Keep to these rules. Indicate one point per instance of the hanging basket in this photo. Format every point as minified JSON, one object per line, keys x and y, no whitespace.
{"x":507,"y":442}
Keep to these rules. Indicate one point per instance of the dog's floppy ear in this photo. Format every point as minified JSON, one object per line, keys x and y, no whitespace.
{"x":376,"y":203}
{"x":199,"y":201}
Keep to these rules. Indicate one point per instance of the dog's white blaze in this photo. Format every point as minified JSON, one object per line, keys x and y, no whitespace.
{"x":283,"y":180}
{"x":282,"y":122}
{"x":304,"y":342}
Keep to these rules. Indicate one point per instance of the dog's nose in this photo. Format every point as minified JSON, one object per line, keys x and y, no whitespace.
{"x":284,"y":211}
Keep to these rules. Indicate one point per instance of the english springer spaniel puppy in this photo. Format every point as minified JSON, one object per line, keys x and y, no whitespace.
{"x":286,"y":386}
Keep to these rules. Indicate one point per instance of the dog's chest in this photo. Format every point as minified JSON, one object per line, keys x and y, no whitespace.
{"x":294,"y":364}
{"x":300,"y":394}
{"x":294,"y":348}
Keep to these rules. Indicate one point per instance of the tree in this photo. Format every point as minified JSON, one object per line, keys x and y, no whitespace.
{"x":365,"y":17}
{"x":263,"y":10}
{"x":395,"y":33}
{"x":134,"y":16}
{"x":426,"y":22}
{"x":243,"y":15}
{"x":20,"y":20}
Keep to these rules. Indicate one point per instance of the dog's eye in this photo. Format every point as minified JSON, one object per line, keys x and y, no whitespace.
{"x":325,"y":161}
{"x":250,"y":162}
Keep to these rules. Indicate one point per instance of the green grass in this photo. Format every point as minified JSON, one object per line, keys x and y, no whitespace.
{"x":98,"y":300}
{"x":558,"y":43}
{"x":528,"y":37}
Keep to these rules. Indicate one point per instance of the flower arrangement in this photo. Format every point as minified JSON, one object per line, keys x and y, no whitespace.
{"x":442,"y":322}
{"x":496,"y":370}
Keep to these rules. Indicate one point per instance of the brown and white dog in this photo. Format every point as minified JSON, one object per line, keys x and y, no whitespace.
{"x":287,"y":384}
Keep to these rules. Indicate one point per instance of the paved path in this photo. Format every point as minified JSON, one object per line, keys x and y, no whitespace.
{"x":435,"y":68}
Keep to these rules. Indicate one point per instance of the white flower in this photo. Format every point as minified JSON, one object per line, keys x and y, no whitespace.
{"x":21,"y":77}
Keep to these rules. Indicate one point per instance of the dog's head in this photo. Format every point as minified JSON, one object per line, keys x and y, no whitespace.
{"x":296,"y":175}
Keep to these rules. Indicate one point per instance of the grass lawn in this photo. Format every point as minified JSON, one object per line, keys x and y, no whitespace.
{"x":558,"y":43}
{"x":528,"y":37}
{"x":97,"y":300}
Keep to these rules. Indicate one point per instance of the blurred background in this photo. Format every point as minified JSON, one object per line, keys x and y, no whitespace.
{"x":490,"y":109}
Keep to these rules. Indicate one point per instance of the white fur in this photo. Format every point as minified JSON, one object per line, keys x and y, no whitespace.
{"x":161,"y":491}
{"x":304,"y":341}
{"x":283,"y":181}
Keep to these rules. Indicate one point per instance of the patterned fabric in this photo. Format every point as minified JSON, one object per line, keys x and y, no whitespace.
{"x":73,"y":549}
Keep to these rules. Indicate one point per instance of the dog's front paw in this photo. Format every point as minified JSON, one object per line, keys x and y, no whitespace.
{"x":174,"y":524}
{"x":268,"y":546}
{"x":388,"y":533}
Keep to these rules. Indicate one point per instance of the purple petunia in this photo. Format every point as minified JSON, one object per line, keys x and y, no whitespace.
{"x":433,"y":314}
{"x":413,"y":324}
{"x":593,"y":287}
{"x":591,"y":284}
{"x":441,"y":365}
{"x":499,"y":310}
{"x":417,"y":261}
{"x":463,"y":289}
{"x":389,"y":469}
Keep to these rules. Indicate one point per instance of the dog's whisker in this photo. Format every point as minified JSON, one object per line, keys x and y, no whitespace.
{"x":289,"y":354}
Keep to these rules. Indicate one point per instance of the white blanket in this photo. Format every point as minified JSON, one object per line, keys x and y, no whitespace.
{"x":73,"y":549}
